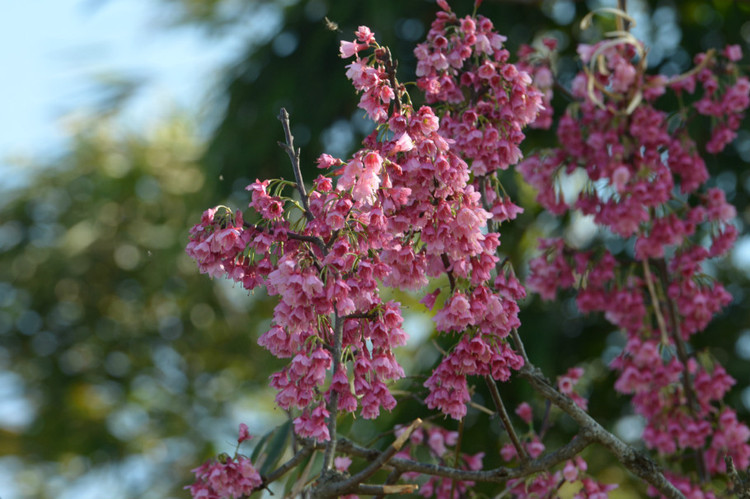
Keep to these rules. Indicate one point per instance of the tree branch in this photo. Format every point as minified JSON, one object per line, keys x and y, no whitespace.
{"x":333,"y":404}
{"x":336,"y":488}
{"x":737,"y":483}
{"x":637,"y":463}
{"x":294,"y":158}
{"x":407,"y":488}
{"x":293,"y":235}
{"x":447,"y":265}
{"x":682,"y":355}
{"x":284,"y":468}
{"x":496,"y":475}
{"x":655,"y":301}
{"x":495,"y":393}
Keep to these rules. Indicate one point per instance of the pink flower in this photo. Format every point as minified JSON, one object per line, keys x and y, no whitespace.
{"x":535,"y":448}
{"x":364,"y":35}
{"x":733,"y":53}
{"x":429,"y":299}
{"x":508,"y":452}
{"x":524,"y":412}
{"x":342,"y":463}
{"x":244,"y":433}
{"x":403,"y":143}
{"x":228,"y":478}
{"x":455,"y":315}
{"x":570,"y":472}
{"x":348,"y":49}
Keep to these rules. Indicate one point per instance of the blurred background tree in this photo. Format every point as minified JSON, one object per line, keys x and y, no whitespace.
{"x":121,"y":367}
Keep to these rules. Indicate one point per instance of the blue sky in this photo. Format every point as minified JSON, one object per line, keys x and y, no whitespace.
{"x":53,"y":52}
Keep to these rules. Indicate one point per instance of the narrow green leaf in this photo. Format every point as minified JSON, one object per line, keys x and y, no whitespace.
{"x":259,"y":446}
{"x":276,"y":447}
{"x":297,"y":478}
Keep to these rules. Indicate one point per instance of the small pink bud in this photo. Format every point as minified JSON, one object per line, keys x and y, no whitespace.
{"x":244,"y":433}
{"x":342,"y":463}
{"x":570,"y":472}
{"x":524,"y":412}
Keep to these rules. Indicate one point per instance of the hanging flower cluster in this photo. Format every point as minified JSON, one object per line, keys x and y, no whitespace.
{"x":227,"y":477}
{"x":401,"y":211}
{"x":421,"y":202}
{"x":646,"y":182}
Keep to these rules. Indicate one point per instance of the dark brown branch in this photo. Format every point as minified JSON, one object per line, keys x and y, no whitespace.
{"x":284,"y":468}
{"x":495,"y":393}
{"x":334,"y":488}
{"x":447,"y":264}
{"x":496,"y":475}
{"x":294,"y":158}
{"x":361,"y":315}
{"x":738,"y":485}
{"x":519,"y":345}
{"x":333,"y":403}
{"x":293,"y":235}
{"x":682,"y":355}
{"x":390,"y":69}
{"x":637,"y":463}
{"x":623,"y":24}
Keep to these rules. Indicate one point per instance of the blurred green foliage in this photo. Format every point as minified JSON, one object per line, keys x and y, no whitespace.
{"x":121,"y":358}
{"x":122,"y":348}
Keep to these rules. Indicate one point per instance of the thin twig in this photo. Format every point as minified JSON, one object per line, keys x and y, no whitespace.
{"x":682,"y":355}
{"x":519,"y":344}
{"x":737,"y":484}
{"x":294,"y":158}
{"x":407,"y":488}
{"x":393,"y":477}
{"x":495,"y":475}
{"x":447,"y":265}
{"x":293,"y":235}
{"x":481,"y":408}
{"x":559,"y":87}
{"x":284,"y":468}
{"x":622,"y":23}
{"x":656,"y":303}
{"x":336,"y":488}
{"x":390,"y":69}
{"x":457,"y":453}
{"x":333,"y":404}
{"x":495,"y":393}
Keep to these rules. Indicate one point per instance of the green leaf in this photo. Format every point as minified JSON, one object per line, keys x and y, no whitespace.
{"x":276,"y":447}
{"x":261,"y":443}
{"x":314,"y":462}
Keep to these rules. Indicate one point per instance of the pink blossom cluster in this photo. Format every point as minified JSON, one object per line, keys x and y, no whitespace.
{"x":441,"y":444}
{"x":647,"y":182}
{"x":217,"y":241}
{"x":464,"y":65}
{"x":433,"y":220}
{"x":399,"y":211}
{"x":548,"y":483}
{"x":227,"y":477}
{"x":313,"y":282}
{"x":726,"y":94}
{"x":536,"y":61}
{"x":370,"y":79}
{"x":423,"y":199}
